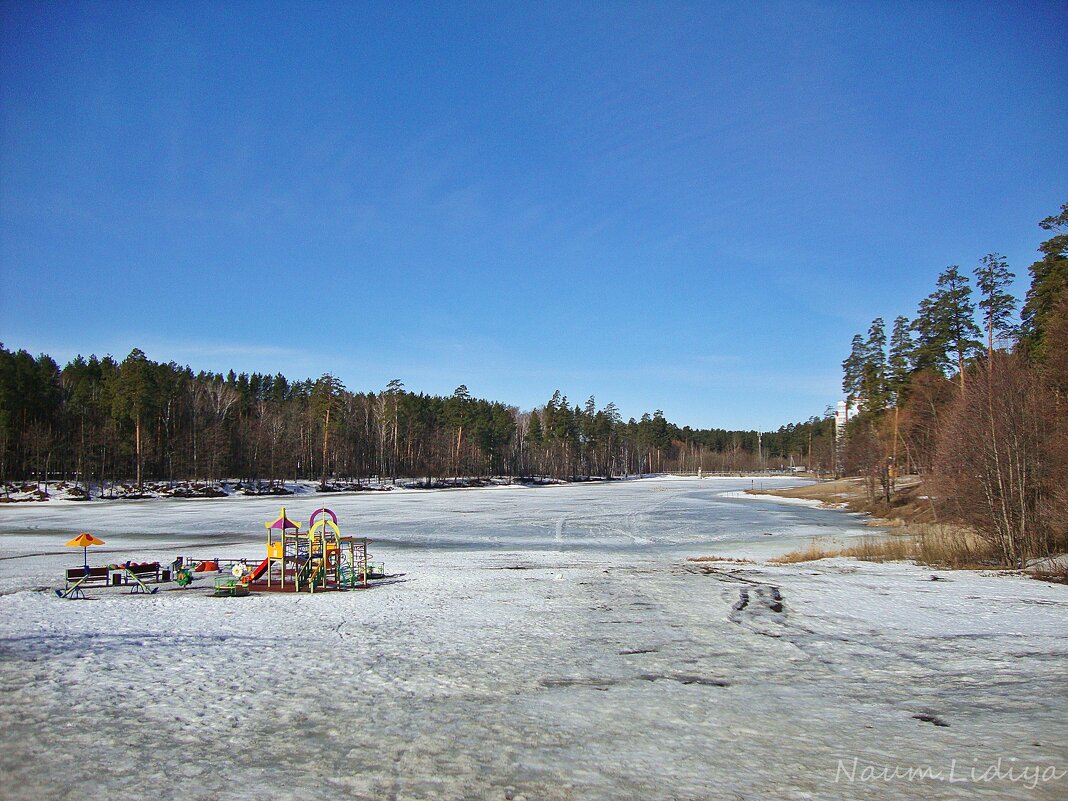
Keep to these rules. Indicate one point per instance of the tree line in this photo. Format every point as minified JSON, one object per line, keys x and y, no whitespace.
{"x":104,"y":421}
{"x":974,"y":401}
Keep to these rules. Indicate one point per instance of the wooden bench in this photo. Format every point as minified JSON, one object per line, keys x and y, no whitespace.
{"x":79,"y":577}
{"x":138,"y":574}
{"x":95,"y":575}
{"x":146,"y":572}
{"x":127,"y":574}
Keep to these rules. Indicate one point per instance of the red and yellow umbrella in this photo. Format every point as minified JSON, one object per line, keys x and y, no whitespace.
{"x":83,"y":541}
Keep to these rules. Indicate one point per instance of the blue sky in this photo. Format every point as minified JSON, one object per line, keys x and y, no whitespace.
{"x":690,"y":207}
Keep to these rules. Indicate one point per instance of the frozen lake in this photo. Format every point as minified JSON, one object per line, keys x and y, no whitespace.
{"x":543,"y":643}
{"x":647,"y":517}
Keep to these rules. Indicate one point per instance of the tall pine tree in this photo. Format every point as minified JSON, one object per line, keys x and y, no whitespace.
{"x":853,"y":369}
{"x":996,"y":306}
{"x":946,"y":333}
{"x":899,"y":362}
{"x":873,"y":371}
{"x":133,"y":400}
{"x":1045,"y":299}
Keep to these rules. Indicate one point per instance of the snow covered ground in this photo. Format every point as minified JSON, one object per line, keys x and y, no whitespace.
{"x":542,"y":643}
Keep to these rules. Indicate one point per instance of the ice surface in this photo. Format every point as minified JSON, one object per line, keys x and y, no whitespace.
{"x":543,"y":643}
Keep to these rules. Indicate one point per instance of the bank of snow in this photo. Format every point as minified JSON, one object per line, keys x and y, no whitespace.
{"x":747,"y":495}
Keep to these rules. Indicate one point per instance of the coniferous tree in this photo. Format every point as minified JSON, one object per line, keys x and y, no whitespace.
{"x":77,"y":379}
{"x":660,"y":436}
{"x":873,"y":369}
{"x":946,"y":333}
{"x":134,"y":397}
{"x":1044,"y":303}
{"x":534,"y":432}
{"x":218,"y":397}
{"x":456,"y":412}
{"x":853,"y":369}
{"x":996,"y":306}
{"x":898,"y":374}
{"x":931,"y":345}
{"x":325,"y":398}
{"x":899,"y":361}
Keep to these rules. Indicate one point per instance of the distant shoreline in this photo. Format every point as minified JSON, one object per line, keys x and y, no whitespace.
{"x":31,"y":494}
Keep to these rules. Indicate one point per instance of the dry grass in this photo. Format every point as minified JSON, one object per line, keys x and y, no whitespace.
{"x":895,"y":548}
{"x":810,"y":554}
{"x":926,"y":544}
{"x":916,"y":537}
{"x":944,"y":545}
{"x":719,"y":559}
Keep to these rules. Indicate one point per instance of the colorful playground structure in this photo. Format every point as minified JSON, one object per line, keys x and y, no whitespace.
{"x":318,"y":559}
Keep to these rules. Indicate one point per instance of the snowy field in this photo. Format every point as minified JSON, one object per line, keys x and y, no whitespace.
{"x":542,"y":643}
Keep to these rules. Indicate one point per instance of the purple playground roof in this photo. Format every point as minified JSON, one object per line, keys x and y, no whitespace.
{"x":282,"y":522}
